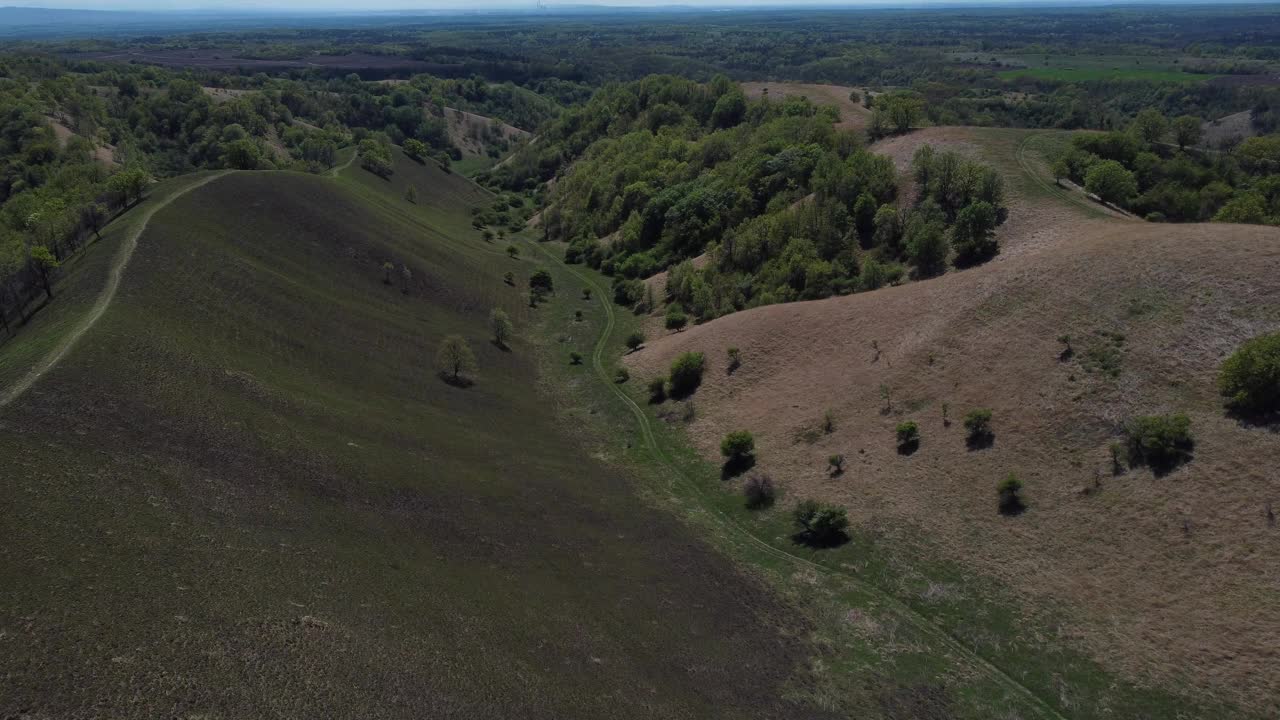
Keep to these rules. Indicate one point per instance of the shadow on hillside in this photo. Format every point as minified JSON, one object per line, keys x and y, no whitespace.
{"x":458,"y":381}
{"x":980,"y":442}
{"x":500,"y":345}
{"x":1253,"y":419}
{"x":733,"y":467}
{"x":814,"y":540}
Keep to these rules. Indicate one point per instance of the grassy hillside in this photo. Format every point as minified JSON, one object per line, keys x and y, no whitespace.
{"x":245,"y":493}
{"x":1118,"y":591}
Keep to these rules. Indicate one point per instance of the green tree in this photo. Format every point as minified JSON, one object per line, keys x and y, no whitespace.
{"x":95,"y":216}
{"x":908,"y":434}
{"x":415,"y":149}
{"x":1186,"y":131}
{"x":977,"y":423}
{"x":1009,"y":493}
{"x":500,"y":327}
{"x":1250,"y":378}
{"x":729,"y":109}
{"x":45,"y":263}
{"x":129,"y":184}
{"x":635,"y":340}
{"x":973,"y":234}
{"x":1110,"y":181}
{"x":1150,"y":125}
{"x":242,"y":155}
{"x":455,"y":360}
{"x":927,"y":246}
{"x":820,"y":524}
{"x":686,"y":374}
{"x":1161,"y":441}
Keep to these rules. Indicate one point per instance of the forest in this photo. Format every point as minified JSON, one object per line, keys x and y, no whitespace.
{"x":658,"y":160}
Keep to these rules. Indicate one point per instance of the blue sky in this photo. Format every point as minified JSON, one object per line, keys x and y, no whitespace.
{"x":348,"y":6}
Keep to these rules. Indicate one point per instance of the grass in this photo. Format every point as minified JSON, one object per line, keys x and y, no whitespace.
{"x":894,"y":621}
{"x":245,"y":493}
{"x":1089,"y":68}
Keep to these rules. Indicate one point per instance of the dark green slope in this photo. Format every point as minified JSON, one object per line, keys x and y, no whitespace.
{"x":245,"y":494}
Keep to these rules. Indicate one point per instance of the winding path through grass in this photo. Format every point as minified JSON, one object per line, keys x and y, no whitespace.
{"x":677,"y":476}
{"x":104,"y":298}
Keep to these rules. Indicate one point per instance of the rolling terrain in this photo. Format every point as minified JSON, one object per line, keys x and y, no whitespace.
{"x":245,"y":492}
{"x":1163,"y":580}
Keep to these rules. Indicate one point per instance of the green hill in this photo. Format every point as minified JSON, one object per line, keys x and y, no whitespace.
{"x":245,"y":492}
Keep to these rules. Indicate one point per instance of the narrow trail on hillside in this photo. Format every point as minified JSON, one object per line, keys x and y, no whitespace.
{"x":104,"y":298}
{"x":1077,"y":199}
{"x":917,"y":621}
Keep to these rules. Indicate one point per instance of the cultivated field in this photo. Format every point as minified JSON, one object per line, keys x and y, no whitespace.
{"x":1163,"y":581}
{"x":246,"y":493}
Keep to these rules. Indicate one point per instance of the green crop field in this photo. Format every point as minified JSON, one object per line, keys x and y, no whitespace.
{"x":246,"y":493}
{"x":1087,"y":68}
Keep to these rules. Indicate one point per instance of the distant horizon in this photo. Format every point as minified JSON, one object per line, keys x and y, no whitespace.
{"x":343,"y":7}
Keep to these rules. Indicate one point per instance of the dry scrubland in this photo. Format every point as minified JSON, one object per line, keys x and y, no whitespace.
{"x":1168,"y":579}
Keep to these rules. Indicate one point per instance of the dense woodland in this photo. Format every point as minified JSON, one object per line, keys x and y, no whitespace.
{"x":648,"y":157}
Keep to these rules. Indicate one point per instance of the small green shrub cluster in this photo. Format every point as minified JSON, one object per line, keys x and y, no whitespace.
{"x":977,"y":423}
{"x":686,"y":374}
{"x":820,"y":524}
{"x":1160,"y":441}
{"x":908,"y":434}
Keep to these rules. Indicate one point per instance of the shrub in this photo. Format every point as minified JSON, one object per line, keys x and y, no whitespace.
{"x":509,"y":278}
{"x":1162,"y":442}
{"x":657,"y":390}
{"x":586,"y":293}
{"x":978,"y":424}
{"x":828,"y":423}
{"x":759,"y":491}
{"x":1009,"y":494}
{"x":675,"y":319}
{"x":500,"y":326}
{"x":836,"y":464}
{"x":686,"y":373}
{"x":635,"y":340}
{"x":575,"y":358}
{"x":1250,"y":378}
{"x":621,"y":375}
{"x":737,"y":445}
{"x":541,"y":283}
{"x":513,"y":251}
{"x":577,"y":316}
{"x":908,"y":437}
{"x":820,"y":524}
{"x":735,"y":360}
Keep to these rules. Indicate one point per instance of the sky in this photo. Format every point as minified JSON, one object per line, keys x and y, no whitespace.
{"x":348,"y":6}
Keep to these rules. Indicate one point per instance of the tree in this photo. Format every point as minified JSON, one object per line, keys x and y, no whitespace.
{"x":500,"y":327}
{"x":1250,"y":378}
{"x":129,"y":184}
{"x":387,"y":268}
{"x":820,"y":524}
{"x":406,"y":277}
{"x":415,"y":149}
{"x":734,"y":360}
{"x":1110,"y":181}
{"x":927,"y":246}
{"x":686,"y":374}
{"x":635,"y":340}
{"x":888,"y":230}
{"x":675,"y":318}
{"x":575,"y":358}
{"x":541,"y":283}
{"x":509,"y":278}
{"x":454,"y":359}
{"x":729,"y":109}
{"x":411,"y":194}
{"x":242,"y":154}
{"x":513,"y":252}
{"x":973,"y":235}
{"x":1161,"y":441}
{"x":977,"y":423}
{"x":95,"y":215}
{"x":45,"y":262}
{"x":1009,"y":494}
{"x":1150,"y":125}
{"x":1186,"y":131}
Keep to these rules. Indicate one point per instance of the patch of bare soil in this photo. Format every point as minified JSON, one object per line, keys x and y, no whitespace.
{"x":853,"y":116}
{"x":104,"y":154}
{"x":1227,"y":130}
{"x":469,"y":131}
{"x":1163,"y":579}
{"x":221,"y":95}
